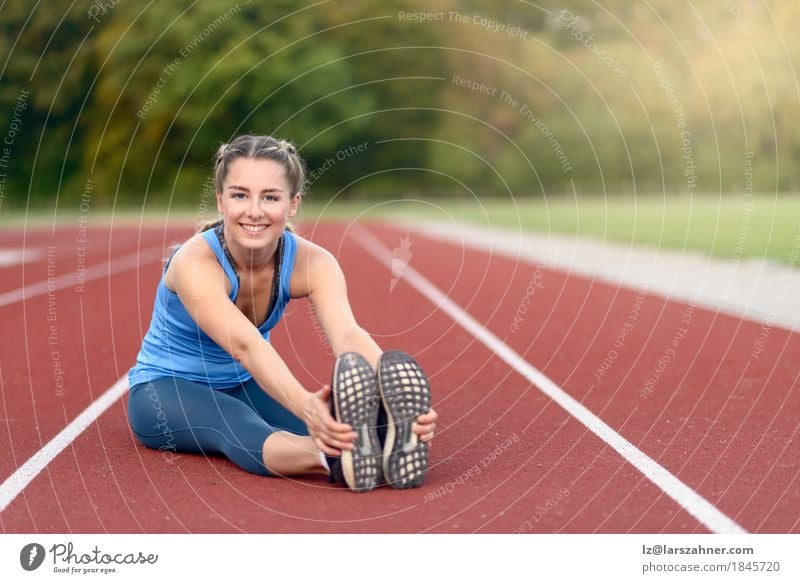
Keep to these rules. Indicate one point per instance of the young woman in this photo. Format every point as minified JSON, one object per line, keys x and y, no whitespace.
{"x":207,"y":379}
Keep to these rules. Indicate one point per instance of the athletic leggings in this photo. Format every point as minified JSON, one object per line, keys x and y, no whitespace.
{"x":173,"y":414}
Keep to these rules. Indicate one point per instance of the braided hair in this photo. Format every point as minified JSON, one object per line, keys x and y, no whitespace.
{"x":262,"y":148}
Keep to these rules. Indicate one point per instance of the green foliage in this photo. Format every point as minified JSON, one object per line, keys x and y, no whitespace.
{"x":44,"y":54}
{"x":136,"y":97}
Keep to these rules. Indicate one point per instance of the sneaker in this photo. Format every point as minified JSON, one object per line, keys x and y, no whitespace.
{"x":405,"y":392}
{"x":356,"y":401}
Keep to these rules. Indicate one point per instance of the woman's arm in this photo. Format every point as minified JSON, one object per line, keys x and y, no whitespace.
{"x":200,"y":283}
{"x":328,"y":294}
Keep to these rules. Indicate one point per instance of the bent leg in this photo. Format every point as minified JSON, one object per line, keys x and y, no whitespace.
{"x":275,"y":414}
{"x":289,"y":451}
{"x":287,"y":454}
{"x":172,"y":414}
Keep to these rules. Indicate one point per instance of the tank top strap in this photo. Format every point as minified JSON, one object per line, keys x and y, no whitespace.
{"x":213,"y":241}
{"x":287,"y":266}
{"x":169,"y":259}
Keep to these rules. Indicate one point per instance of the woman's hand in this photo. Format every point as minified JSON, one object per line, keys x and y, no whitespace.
{"x":330,"y":436}
{"x":425,"y":425}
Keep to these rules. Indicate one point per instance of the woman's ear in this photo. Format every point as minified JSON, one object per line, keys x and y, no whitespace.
{"x":219,"y":202}
{"x":295,"y":205}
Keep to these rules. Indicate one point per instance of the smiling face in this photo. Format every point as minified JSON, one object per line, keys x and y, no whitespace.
{"x":256,"y":203}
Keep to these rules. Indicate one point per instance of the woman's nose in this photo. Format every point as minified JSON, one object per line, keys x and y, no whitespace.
{"x":254,"y":209}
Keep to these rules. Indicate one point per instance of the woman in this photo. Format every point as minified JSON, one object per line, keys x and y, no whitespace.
{"x":208,"y":380}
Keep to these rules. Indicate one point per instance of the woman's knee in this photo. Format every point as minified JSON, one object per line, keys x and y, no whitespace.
{"x":146,"y":412}
{"x":164,"y":442}
{"x":272,"y":412}
{"x":171,"y":417}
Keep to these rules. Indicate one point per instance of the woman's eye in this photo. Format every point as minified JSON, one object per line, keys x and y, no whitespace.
{"x":239,"y":195}
{"x":270,"y":197}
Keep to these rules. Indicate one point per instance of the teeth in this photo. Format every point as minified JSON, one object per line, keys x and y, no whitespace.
{"x":254,"y":228}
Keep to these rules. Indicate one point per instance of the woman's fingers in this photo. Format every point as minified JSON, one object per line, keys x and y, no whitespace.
{"x":328,"y":445}
{"x":326,"y":449}
{"x":424,"y":432}
{"x":333,"y":426}
{"x":337,"y":435}
{"x":429,"y":417}
{"x":422,"y":429}
{"x":324,"y":414}
{"x":342,"y":445}
{"x":329,"y":435}
{"x":425,"y":425}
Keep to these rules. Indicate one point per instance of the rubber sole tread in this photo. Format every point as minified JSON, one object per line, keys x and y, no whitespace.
{"x":405,"y":391}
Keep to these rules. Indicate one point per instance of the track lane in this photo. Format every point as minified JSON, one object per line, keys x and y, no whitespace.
{"x":708,"y":405}
{"x":125,"y":488}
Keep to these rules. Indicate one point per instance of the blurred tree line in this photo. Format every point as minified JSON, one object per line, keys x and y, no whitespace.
{"x":129,"y":101}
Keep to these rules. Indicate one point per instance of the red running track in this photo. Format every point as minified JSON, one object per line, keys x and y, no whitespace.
{"x":718,"y":414}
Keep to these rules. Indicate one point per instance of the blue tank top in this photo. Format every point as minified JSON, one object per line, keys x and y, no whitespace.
{"x":176,"y":346}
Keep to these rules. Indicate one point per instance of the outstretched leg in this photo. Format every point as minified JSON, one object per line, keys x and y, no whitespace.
{"x":287,"y":454}
{"x":176,"y":415}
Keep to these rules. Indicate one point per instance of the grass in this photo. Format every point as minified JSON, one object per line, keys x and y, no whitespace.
{"x":760,"y":226}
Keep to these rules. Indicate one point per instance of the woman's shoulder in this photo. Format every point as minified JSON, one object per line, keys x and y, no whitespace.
{"x":196,"y":248}
{"x":309,"y":253}
{"x":312,"y":261}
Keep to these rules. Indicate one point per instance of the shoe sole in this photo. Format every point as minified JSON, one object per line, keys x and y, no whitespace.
{"x":405,"y":391}
{"x":356,"y":401}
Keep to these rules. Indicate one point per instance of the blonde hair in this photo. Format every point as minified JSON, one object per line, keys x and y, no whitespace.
{"x":262,"y":148}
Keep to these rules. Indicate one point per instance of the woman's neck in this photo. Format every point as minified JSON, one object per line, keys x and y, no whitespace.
{"x":250,"y":260}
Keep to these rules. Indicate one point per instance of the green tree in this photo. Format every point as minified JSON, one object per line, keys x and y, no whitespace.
{"x":45,"y":56}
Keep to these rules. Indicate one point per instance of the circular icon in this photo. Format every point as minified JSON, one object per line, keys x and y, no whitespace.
{"x":31,"y":556}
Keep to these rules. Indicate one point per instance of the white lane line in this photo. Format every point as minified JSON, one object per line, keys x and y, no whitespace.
{"x":10,"y":257}
{"x":23,"y":476}
{"x":98,"y":271}
{"x":687,"y":498}
{"x":17,"y":482}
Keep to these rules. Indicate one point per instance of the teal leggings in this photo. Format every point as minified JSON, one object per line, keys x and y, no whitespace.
{"x":173,"y":414}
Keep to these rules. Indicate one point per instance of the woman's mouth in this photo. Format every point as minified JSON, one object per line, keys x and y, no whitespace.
{"x":253,"y":228}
